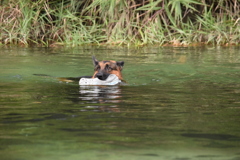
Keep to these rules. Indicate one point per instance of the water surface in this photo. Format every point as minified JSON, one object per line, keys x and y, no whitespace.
{"x":179,"y":104}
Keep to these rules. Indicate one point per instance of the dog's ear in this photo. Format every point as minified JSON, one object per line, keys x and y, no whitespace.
{"x":95,"y":61}
{"x":120,"y":64}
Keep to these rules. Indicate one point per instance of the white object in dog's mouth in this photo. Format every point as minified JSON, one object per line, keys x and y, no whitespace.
{"x":111,"y":80}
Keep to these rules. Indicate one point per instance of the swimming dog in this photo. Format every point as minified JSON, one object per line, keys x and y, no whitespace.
{"x":102,"y":69}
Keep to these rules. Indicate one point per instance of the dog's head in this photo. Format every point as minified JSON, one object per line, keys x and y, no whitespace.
{"x":102,"y":69}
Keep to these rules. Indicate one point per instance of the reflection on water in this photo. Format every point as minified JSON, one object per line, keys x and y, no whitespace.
{"x":101,"y":95}
{"x":180,"y":104}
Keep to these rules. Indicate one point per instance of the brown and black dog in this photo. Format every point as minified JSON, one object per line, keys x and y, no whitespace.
{"x":102,"y":69}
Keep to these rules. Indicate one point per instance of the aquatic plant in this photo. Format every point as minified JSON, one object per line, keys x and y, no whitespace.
{"x":129,"y":22}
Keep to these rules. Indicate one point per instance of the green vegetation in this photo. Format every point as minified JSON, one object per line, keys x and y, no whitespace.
{"x":127,"y":22}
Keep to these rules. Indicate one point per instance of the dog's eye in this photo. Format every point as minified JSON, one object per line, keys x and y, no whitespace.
{"x":97,"y":68}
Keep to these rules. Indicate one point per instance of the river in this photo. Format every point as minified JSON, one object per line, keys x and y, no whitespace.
{"x":180,"y":103}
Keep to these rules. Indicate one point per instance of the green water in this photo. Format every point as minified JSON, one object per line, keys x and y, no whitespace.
{"x":179,"y":104}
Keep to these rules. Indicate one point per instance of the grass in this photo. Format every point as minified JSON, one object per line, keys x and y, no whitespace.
{"x":121,"y":22}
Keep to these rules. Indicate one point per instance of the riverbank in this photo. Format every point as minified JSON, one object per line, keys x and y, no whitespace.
{"x":124,"y":22}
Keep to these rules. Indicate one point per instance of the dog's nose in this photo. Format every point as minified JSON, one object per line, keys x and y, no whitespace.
{"x":99,"y":76}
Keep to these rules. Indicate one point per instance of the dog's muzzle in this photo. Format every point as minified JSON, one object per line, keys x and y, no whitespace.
{"x":102,"y":76}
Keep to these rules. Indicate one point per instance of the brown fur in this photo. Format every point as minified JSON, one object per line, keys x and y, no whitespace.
{"x":102,"y":69}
